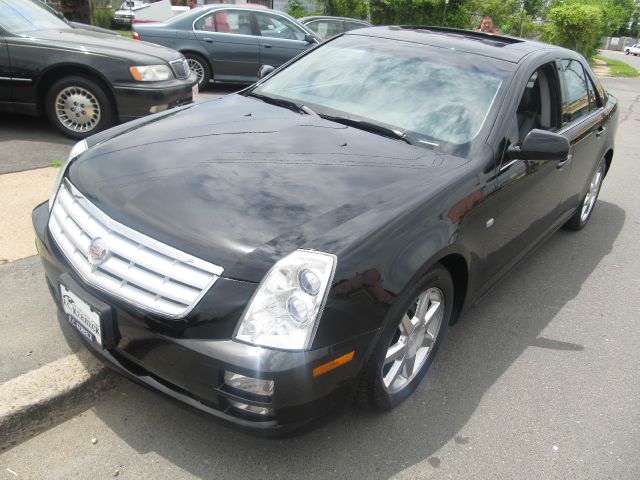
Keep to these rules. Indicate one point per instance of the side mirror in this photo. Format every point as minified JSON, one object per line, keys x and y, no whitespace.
{"x":264,"y":71}
{"x":540,"y":145}
{"x":309,"y":38}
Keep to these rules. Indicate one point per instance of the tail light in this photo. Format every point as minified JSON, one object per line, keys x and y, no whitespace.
{"x":135,"y":36}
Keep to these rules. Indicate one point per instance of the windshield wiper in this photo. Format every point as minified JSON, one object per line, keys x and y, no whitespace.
{"x":282,"y":102}
{"x":370,"y":127}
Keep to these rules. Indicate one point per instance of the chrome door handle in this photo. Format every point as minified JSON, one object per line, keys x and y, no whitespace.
{"x":600,"y":130}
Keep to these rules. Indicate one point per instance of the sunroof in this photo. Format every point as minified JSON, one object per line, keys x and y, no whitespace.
{"x":497,"y":40}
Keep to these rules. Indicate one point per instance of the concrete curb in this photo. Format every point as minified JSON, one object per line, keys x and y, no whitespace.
{"x":42,"y":398}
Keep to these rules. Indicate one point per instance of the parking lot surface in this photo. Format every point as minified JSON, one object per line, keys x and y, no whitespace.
{"x":540,"y":380}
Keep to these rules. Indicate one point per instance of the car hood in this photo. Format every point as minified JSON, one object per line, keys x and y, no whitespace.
{"x":241,"y":183}
{"x":101,"y":43}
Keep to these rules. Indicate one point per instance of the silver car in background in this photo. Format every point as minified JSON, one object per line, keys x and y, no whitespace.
{"x":230,"y":43}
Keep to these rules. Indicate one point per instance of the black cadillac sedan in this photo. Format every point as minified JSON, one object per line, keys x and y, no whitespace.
{"x":83,"y":81}
{"x":269,"y":256}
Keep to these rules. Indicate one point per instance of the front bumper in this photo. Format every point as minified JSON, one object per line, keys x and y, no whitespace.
{"x":140,"y":99}
{"x":187,"y":360}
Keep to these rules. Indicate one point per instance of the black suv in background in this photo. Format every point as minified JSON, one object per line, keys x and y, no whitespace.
{"x":84,"y":81}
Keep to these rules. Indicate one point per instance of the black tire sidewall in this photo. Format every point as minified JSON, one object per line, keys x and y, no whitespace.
{"x":208,"y":74}
{"x":437,"y":276}
{"x":106,"y":108}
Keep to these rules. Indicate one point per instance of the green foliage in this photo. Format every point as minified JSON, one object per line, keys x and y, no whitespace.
{"x":423,"y":12}
{"x":575,"y":26}
{"x":103,"y":17}
{"x":295,"y":8}
{"x":616,"y":14}
{"x":347,"y":8}
{"x":76,"y":10}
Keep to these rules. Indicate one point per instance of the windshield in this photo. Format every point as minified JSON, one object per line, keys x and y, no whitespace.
{"x":438,"y":98}
{"x":19,"y":16}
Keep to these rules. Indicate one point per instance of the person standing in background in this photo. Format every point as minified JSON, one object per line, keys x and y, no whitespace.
{"x":486,"y":26}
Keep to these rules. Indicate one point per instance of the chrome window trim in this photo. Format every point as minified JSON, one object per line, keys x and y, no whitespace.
{"x":213,"y":11}
{"x":149,"y":243}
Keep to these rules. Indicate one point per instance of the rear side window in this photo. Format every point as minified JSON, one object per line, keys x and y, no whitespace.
{"x":226,"y":21}
{"x":575,"y":103}
{"x":326,"y":28}
{"x":354,"y":25}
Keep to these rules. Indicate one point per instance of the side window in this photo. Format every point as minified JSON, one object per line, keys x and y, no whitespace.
{"x":278,"y":27}
{"x":538,"y":104}
{"x":354,"y":25}
{"x":593,"y":99}
{"x":575,"y":104}
{"x":226,"y":21}
{"x":325,"y":28}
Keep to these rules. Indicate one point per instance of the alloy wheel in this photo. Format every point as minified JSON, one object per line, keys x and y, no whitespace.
{"x":197,"y":67}
{"x":413,"y":341}
{"x":77,"y":109}
{"x":592,"y":194}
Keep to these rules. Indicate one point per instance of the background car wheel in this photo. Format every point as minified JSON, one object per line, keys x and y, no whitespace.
{"x":78,"y":107}
{"x":583,"y":214}
{"x":199,"y":65}
{"x":408,"y":342}
{"x":626,"y":52}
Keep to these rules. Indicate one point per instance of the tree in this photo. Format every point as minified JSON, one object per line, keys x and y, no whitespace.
{"x":296,"y":9}
{"x":575,"y":26}
{"x":77,"y":10}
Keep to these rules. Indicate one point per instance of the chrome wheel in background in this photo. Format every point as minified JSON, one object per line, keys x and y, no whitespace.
{"x":196,"y":67}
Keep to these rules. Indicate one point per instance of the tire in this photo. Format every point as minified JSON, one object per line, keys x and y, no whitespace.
{"x":78,"y":107}
{"x":200,"y":65}
{"x":582,"y":215}
{"x":392,"y":354}
{"x":626,"y":52}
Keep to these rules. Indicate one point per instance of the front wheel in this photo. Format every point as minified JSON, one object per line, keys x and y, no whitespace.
{"x":408,"y":343}
{"x":583,"y":213}
{"x":78,"y":107}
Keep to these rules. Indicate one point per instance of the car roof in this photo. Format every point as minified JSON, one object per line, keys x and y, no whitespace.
{"x":329,"y":17}
{"x":500,"y":47}
{"x":214,"y":6}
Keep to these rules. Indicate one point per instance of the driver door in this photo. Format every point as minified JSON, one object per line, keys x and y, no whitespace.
{"x":529,"y":191}
{"x":280,"y":39}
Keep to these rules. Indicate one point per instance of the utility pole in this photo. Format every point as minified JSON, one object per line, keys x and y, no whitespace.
{"x":444,"y":14}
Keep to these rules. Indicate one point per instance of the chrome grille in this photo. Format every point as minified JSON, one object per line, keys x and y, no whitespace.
{"x":181,"y":68}
{"x":136,"y":268}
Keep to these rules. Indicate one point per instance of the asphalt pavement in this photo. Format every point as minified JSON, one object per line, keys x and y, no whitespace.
{"x":540,"y":380}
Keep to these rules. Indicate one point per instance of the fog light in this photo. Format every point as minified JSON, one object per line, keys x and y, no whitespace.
{"x":251,"y":408}
{"x":247,"y":384}
{"x":158,"y":108}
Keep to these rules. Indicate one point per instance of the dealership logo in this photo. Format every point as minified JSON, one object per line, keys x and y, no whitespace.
{"x":98,"y":250}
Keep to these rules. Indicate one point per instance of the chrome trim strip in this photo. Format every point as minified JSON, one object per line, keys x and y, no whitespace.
{"x":12,"y":79}
{"x":139,"y":270}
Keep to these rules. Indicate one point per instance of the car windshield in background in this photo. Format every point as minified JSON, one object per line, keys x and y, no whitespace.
{"x":437,"y":98}
{"x":20,"y":17}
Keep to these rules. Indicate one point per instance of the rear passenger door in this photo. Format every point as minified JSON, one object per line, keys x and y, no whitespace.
{"x":280,"y":39}
{"x":231,"y":43}
{"x":583,"y":124}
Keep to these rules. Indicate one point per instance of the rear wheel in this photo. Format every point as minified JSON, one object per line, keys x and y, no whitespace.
{"x":78,"y":107}
{"x":583,"y":214}
{"x":626,"y":52}
{"x":408,"y":343}
{"x":201,"y":67}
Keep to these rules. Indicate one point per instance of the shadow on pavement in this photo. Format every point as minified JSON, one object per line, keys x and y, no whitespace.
{"x":476,"y":353}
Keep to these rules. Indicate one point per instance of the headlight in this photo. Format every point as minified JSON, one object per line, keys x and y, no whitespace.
{"x":151,"y":73}
{"x":76,"y":150}
{"x":284,"y":311}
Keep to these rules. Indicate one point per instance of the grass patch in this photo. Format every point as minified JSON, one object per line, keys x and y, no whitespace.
{"x":618,"y":68}
{"x":124,"y":33}
{"x":56,"y":163}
